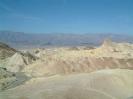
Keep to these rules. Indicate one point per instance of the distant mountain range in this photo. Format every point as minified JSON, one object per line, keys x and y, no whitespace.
{"x":20,"y":39}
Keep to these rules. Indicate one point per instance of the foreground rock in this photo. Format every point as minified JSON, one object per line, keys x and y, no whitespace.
{"x":105,"y":84}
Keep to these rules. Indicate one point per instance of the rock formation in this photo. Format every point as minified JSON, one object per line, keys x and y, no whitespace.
{"x":110,"y":55}
{"x":14,"y":60}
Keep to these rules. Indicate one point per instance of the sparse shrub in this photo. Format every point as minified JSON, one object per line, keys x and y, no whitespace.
{"x":5,"y":69}
{"x":5,"y":76}
{"x":13,"y":74}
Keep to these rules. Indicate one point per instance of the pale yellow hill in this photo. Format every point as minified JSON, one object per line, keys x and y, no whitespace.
{"x":110,"y":55}
{"x":105,"y":84}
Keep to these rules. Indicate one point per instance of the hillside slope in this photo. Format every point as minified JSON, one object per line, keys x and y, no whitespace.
{"x":109,"y":55}
{"x":14,"y":60}
{"x":105,"y":84}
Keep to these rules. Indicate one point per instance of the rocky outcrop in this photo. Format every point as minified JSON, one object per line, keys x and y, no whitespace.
{"x":19,"y":60}
{"x":14,"y":60}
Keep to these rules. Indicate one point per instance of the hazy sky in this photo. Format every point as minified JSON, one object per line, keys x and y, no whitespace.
{"x":67,"y":16}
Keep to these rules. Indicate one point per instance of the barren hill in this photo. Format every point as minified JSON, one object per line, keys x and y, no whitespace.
{"x":105,"y":84}
{"x":103,"y":72}
{"x":109,"y":55}
{"x":14,"y":60}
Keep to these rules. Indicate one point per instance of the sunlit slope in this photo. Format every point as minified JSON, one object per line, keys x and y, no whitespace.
{"x":14,"y":60}
{"x":110,"y":55}
{"x":18,"y":61}
{"x":105,"y":84}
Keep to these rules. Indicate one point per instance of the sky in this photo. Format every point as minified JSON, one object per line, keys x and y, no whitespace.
{"x":67,"y":16}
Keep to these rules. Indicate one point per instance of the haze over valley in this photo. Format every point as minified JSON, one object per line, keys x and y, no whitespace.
{"x":27,"y":40}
